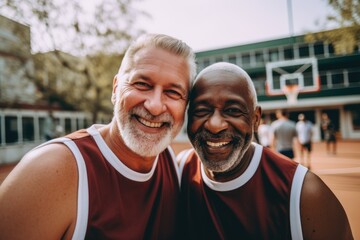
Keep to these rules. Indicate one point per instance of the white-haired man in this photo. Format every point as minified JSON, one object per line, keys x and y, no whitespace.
{"x":114,"y":181}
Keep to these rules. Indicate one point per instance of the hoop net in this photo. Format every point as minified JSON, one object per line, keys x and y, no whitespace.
{"x":291,"y":92}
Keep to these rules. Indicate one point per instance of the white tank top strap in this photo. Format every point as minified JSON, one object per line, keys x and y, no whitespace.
{"x":83,"y":191}
{"x":295,"y":215}
{"x":181,"y":159}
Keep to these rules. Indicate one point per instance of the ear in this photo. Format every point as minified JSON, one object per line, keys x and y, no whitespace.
{"x":257,"y":118}
{"x":115,"y":84}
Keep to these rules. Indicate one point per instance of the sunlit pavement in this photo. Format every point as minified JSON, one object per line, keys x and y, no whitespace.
{"x":341,"y":172}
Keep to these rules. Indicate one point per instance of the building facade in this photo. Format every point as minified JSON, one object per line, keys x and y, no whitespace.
{"x":15,"y":63}
{"x":329,"y":83}
{"x":22,"y":117}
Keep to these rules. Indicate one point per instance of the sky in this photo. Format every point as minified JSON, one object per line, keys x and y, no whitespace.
{"x":211,"y":24}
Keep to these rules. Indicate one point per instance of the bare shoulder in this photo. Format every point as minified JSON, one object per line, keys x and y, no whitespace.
{"x":40,"y":195}
{"x":322,"y":215}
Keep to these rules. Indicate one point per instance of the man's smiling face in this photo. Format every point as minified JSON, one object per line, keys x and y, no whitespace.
{"x":221,"y":118}
{"x":151,"y":100}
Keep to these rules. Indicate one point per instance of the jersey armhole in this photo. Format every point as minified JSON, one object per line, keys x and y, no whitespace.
{"x":83,"y":193}
{"x":82,"y":211}
{"x":182,"y":157}
{"x":295,"y":214}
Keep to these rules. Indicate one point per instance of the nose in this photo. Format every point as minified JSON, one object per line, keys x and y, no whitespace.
{"x":216,"y":123}
{"x":155,"y":103}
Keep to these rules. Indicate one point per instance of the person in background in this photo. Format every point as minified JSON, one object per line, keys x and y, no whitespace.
{"x":284,"y":134}
{"x":114,"y":181}
{"x":233,"y":188}
{"x":49,"y":126}
{"x":329,"y":133}
{"x":304,"y":132}
{"x":264,"y":133}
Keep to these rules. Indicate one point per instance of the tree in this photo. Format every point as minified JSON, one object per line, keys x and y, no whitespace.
{"x":346,"y":15}
{"x":96,"y":35}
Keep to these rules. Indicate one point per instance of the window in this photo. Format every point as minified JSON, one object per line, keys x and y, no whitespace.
{"x":68,"y":128}
{"x":259,"y":84}
{"x":289,"y":53}
{"x":319,"y":49}
{"x":331,"y":49}
{"x":245,"y":59}
{"x":219,"y":59}
{"x":259,"y":57}
{"x":355,"y":115}
{"x":11,"y":129}
{"x":354,"y":76}
{"x":274,"y":55}
{"x":304,"y":51}
{"x":28,"y":129}
{"x":232,"y":59}
{"x":337,"y":78}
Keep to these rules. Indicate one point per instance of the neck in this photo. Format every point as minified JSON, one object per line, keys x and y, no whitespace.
{"x":113,"y":139}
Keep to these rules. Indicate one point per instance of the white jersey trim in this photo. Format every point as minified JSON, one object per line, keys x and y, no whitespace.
{"x":182,"y":157}
{"x":82,"y":213}
{"x":83,"y":193}
{"x":239,"y":181}
{"x":295,"y":215}
{"x":115,"y":162}
{"x":173,"y":158}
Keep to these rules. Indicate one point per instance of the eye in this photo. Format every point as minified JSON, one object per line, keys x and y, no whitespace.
{"x":200,"y":112}
{"x":174,"y":94}
{"x":233,"y":111}
{"x":142,"y":85}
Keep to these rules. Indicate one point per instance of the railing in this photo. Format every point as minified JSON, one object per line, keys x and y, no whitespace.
{"x":21,"y":130}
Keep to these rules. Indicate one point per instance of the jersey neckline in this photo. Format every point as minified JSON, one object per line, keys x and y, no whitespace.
{"x":115,"y":161}
{"x":239,"y":181}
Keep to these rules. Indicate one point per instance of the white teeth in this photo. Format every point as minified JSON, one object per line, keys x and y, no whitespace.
{"x":217,"y":144}
{"x":150,"y":124}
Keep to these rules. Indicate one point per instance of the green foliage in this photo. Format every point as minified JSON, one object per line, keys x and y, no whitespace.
{"x":96,"y":36}
{"x":75,"y":26}
{"x":346,"y":38}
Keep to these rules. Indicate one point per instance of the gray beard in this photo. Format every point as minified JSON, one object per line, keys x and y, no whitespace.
{"x":224,"y":165}
{"x":141,"y":143}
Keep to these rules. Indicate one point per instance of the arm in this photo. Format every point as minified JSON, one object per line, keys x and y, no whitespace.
{"x":38,"y":198}
{"x":322,"y":215}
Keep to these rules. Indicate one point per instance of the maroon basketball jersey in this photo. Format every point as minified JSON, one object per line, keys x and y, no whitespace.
{"x":262,"y":203}
{"x":115,"y":202}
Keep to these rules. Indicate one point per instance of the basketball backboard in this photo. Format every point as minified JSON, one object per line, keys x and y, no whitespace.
{"x":302,"y":73}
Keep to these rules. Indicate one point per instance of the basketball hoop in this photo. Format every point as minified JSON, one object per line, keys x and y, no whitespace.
{"x":291,"y":92}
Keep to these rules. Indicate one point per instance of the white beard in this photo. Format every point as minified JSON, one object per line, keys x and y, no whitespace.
{"x":145,"y":144}
{"x":224,"y":165}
